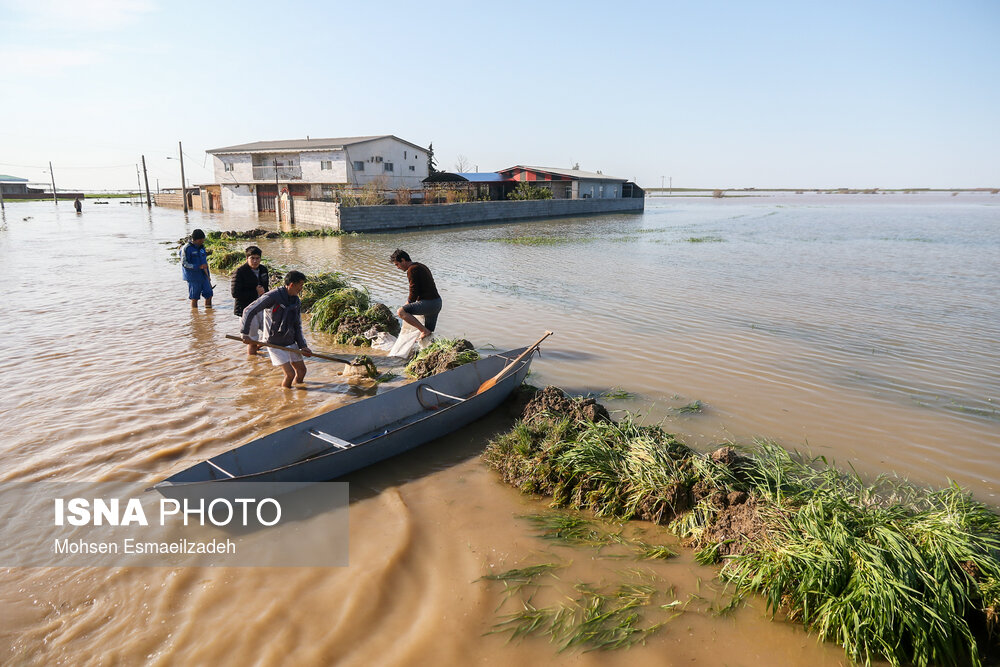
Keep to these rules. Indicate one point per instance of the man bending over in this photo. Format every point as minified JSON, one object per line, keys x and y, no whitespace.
{"x":423,"y":298}
{"x":282,"y":326}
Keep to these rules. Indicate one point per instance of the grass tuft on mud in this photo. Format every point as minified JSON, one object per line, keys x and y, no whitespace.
{"x":887,"y":570}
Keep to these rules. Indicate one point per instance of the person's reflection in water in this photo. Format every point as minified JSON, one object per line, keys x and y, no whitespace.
{"x":201,"y":331}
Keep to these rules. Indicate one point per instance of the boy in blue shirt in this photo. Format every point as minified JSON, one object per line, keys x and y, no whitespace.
{"x":194,"y":260}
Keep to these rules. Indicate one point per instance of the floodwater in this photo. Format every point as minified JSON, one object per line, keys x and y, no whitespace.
{"x":863,"y":328}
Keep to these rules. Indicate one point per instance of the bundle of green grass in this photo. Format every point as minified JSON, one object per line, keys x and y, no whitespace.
{"x":226,"y":260}
{"x":320,"y":285}
{"x":885,"y":569}
{"x":348,"y":313}
{"x":441,"y":355}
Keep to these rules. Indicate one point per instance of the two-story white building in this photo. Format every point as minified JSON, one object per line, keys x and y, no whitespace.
{"x":249,"y":176}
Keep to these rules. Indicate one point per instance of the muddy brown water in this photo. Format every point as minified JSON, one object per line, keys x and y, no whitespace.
{"x":862,"y":328}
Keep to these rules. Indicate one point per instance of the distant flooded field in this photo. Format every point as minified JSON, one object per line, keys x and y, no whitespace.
{"x":863,"y":328}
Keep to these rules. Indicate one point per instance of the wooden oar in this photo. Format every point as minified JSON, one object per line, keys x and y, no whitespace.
{"x":291,"y":349}
{"x":489,"y":384}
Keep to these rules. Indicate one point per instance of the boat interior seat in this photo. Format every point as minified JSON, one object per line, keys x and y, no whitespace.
{"x":331,"y":439}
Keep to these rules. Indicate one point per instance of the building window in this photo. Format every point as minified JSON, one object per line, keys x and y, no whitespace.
{"x":386,"y":166}
{"x":412,"y":168}
{"x":404,"y":155}
{"x":229,"y":166}
{"x":326,"y":164}
{"x":359,"y":166}
{"x":600,"y":191}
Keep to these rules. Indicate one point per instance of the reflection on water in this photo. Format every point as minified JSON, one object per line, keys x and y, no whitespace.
{"x":862,"y":328}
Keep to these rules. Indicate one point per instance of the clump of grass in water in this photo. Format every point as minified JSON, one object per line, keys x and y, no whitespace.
{"x":595,"y":620}
{"x":885,"y":569}
{"x":518,"y":578}
{"x":302,"y":233}
{"x":585,"y":465}
{"x":890,"y":574}
{"x":568,"y":529}
{"x":452,"y":351}
{"x":691,"y":408}
{"x":577,"y":531}
{"x":225,"y":260}
{"x":541,"y":240}
{"x":704,"y":239}
{"x":524,"y":574}
{"x":328,"y":311}
{"x":654,"y":551}
{"x":320,"y":285}
{"x":617,"y":394}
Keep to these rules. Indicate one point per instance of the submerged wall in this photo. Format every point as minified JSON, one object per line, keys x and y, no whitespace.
{"x":387,"y":218}
{"x":317,"y":213}
{"x":174,"y":200}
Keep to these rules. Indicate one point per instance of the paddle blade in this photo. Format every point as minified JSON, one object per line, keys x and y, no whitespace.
{"x":486,"y":386}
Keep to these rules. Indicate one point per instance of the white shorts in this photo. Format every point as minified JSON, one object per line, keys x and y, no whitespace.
{"x":256,"y":324}
{"x":281,"y":357}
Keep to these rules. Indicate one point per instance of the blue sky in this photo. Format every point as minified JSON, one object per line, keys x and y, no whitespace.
{"x":712,"y":94}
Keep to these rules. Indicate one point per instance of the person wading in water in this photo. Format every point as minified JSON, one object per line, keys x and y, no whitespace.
{"x":249,"y":283}
{"x":282,"y":326}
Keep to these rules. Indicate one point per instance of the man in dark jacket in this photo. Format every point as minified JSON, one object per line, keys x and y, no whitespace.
{"x":423,"y":298}
{"x":249,"y":283}
{"x":282,"y":326}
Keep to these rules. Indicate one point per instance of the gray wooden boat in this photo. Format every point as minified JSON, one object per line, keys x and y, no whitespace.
{"x":362,"y":433}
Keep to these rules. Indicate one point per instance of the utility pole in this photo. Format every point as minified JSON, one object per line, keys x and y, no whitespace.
{"x":184,"y":195}
{"x":138,"y":181}
{"x":53,"y":177}
{"x":277,"y":193}
{"x":661,"y":182}
{"x":671,"y":186}
{"x":149,"y":201}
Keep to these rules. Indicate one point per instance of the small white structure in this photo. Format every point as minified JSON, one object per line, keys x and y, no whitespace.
{"x":250,"y":176}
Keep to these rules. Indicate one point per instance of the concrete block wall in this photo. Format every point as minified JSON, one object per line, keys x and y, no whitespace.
{"x":322,"y":213}
{"x":238,"y":199}
{"x":388,"y":218}
{"x":174,"y":200}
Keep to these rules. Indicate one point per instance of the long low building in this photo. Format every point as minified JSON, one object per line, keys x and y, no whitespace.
{"x":570,"y":183}
{"x":562,"y":183}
